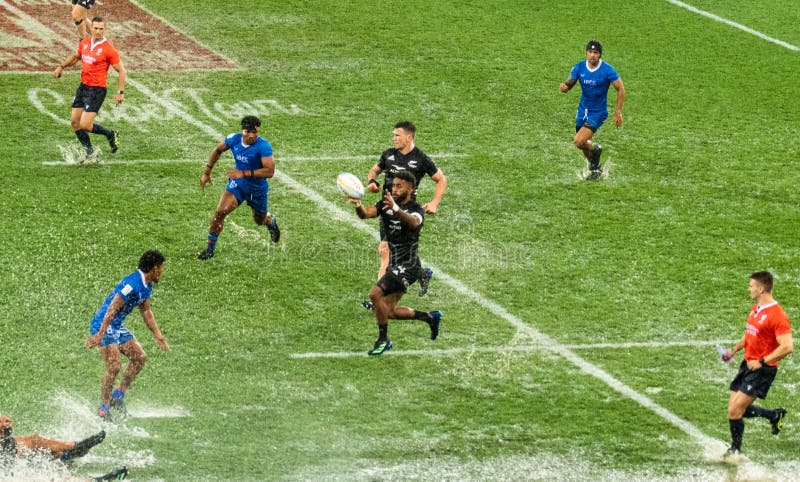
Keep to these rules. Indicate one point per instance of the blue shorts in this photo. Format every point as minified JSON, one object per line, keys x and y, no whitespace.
{"x":591,"y":119}
{"x":115,"y":336}
{"x":256,"y":195}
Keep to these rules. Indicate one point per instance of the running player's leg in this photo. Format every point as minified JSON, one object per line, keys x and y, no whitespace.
{"x":80,"y":15}
{"x":111,"y":358}
{"x":37,"y":442}
{"x":82,"y":135}
{"x":228,"y":202}
{"x":259,"y":202}
{"x":383,"y":254}
{"x":583,"y":141}
{"x":136,"y":361}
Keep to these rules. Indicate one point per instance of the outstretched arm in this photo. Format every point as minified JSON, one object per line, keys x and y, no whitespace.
{"x":150,"y":321}
{"x":205,"y":178}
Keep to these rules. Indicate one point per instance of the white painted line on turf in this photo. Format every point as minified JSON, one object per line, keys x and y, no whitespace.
{"x":741,"y":27}
{"x":507,"y":349}
{"x":201,"y":162}
{"x":465,"y":291}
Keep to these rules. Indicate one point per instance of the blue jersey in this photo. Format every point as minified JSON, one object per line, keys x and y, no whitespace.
{"x":133,"y":290}
{"x":594,"y":85}
{"x":249,"y":157}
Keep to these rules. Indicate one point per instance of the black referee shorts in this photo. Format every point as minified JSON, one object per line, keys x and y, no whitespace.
{"x":89,"y":98}
{"x":754,"y":383}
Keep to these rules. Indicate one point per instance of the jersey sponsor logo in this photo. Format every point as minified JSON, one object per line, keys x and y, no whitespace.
{"x":412,"y":164}
{"x":390,"y":158}
{"x":126,"y":290}
{"x":394,"y":225}
{"x":752,"y":330}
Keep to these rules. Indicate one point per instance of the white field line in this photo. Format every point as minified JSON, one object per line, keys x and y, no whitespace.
{"x":511,"y":348}
{"x":202,"y":162}
{"x":741,"y":27}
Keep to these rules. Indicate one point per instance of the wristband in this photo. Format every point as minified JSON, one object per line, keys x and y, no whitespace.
{"x":395,"y":207}
{"x":120,"y":92}
{"x":763,"y":363}
{"x":373,"y":181}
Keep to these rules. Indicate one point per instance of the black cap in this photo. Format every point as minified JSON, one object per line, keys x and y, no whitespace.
{"x":594,"y":45}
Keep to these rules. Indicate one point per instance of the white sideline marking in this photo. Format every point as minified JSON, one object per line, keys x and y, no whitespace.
{"x":734,"y":24}
{"x":492,"y":306}
{"x":200,"y":162}
{"x":506,"y":349}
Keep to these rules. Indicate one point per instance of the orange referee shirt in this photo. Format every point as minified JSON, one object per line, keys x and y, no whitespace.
{"x":96,"y":57}
{"x":764,"y":323}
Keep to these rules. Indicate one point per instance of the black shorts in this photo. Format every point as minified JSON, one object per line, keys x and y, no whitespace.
{"x":586,"y":125}
{"x":89,"y":98}
{"x":87,"y":4}
{"x":398,"y":278}
{"x":754,"y":383}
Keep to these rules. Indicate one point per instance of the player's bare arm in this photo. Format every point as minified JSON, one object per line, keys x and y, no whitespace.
{"x":620,"y":100}
{"x":69,"y":62}
{"x":111,"y":312}
{"x":364,"y":212}
{"x":567,"y":84}
{"x":785,"y":347}
{"x":205,"y":178}
{"x":372,"y":179}
{"x":120,"y":95}
{"x":150,"y":321}
{"x":441,"y":186}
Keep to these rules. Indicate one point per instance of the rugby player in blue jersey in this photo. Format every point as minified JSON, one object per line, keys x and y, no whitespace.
{"x":247,"y":182}
{"x":113,"y":337}
{"x":594,"y":76}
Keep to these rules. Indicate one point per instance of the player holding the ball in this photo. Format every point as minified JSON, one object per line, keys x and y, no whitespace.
{"x":405,"y":157}
{"x":401,"y":219}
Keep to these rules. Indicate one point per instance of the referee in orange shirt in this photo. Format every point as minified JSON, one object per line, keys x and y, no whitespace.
{"x":767,"y":339}
{"x":96,"y":54}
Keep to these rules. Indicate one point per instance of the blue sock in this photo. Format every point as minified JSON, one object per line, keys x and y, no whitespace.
{"x":104,"y":407}
{"x":118,"y":394}
{"x":212,"y":241}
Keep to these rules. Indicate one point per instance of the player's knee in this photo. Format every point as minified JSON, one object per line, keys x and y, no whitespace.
{"x":112,"y":368}
{"x":375,"y":294}
{"x":141,"y":359}
{"x":76,"y":124}
{"x":580,"y":142}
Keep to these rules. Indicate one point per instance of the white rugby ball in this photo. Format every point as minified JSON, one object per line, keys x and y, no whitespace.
{"x":350,"y":185}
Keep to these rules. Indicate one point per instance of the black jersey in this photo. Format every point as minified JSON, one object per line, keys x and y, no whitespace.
{"x":403,"y":240}
{"x":416,"y":162}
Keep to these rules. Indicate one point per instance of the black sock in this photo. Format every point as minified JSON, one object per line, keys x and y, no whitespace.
{"x":737,"y":432}
{"x":422,"y":315}
{"x":98,"y":129}
{"x":756,"y":411}
{"x":383,"y":332}
{"x":83,"y":137}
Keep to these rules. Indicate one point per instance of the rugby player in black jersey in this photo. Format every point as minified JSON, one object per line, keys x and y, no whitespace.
{"x":401,"y":219}
{"x":405,"y":157}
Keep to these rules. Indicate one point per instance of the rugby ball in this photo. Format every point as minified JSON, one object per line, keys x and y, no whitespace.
{"x":350,"y":185}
